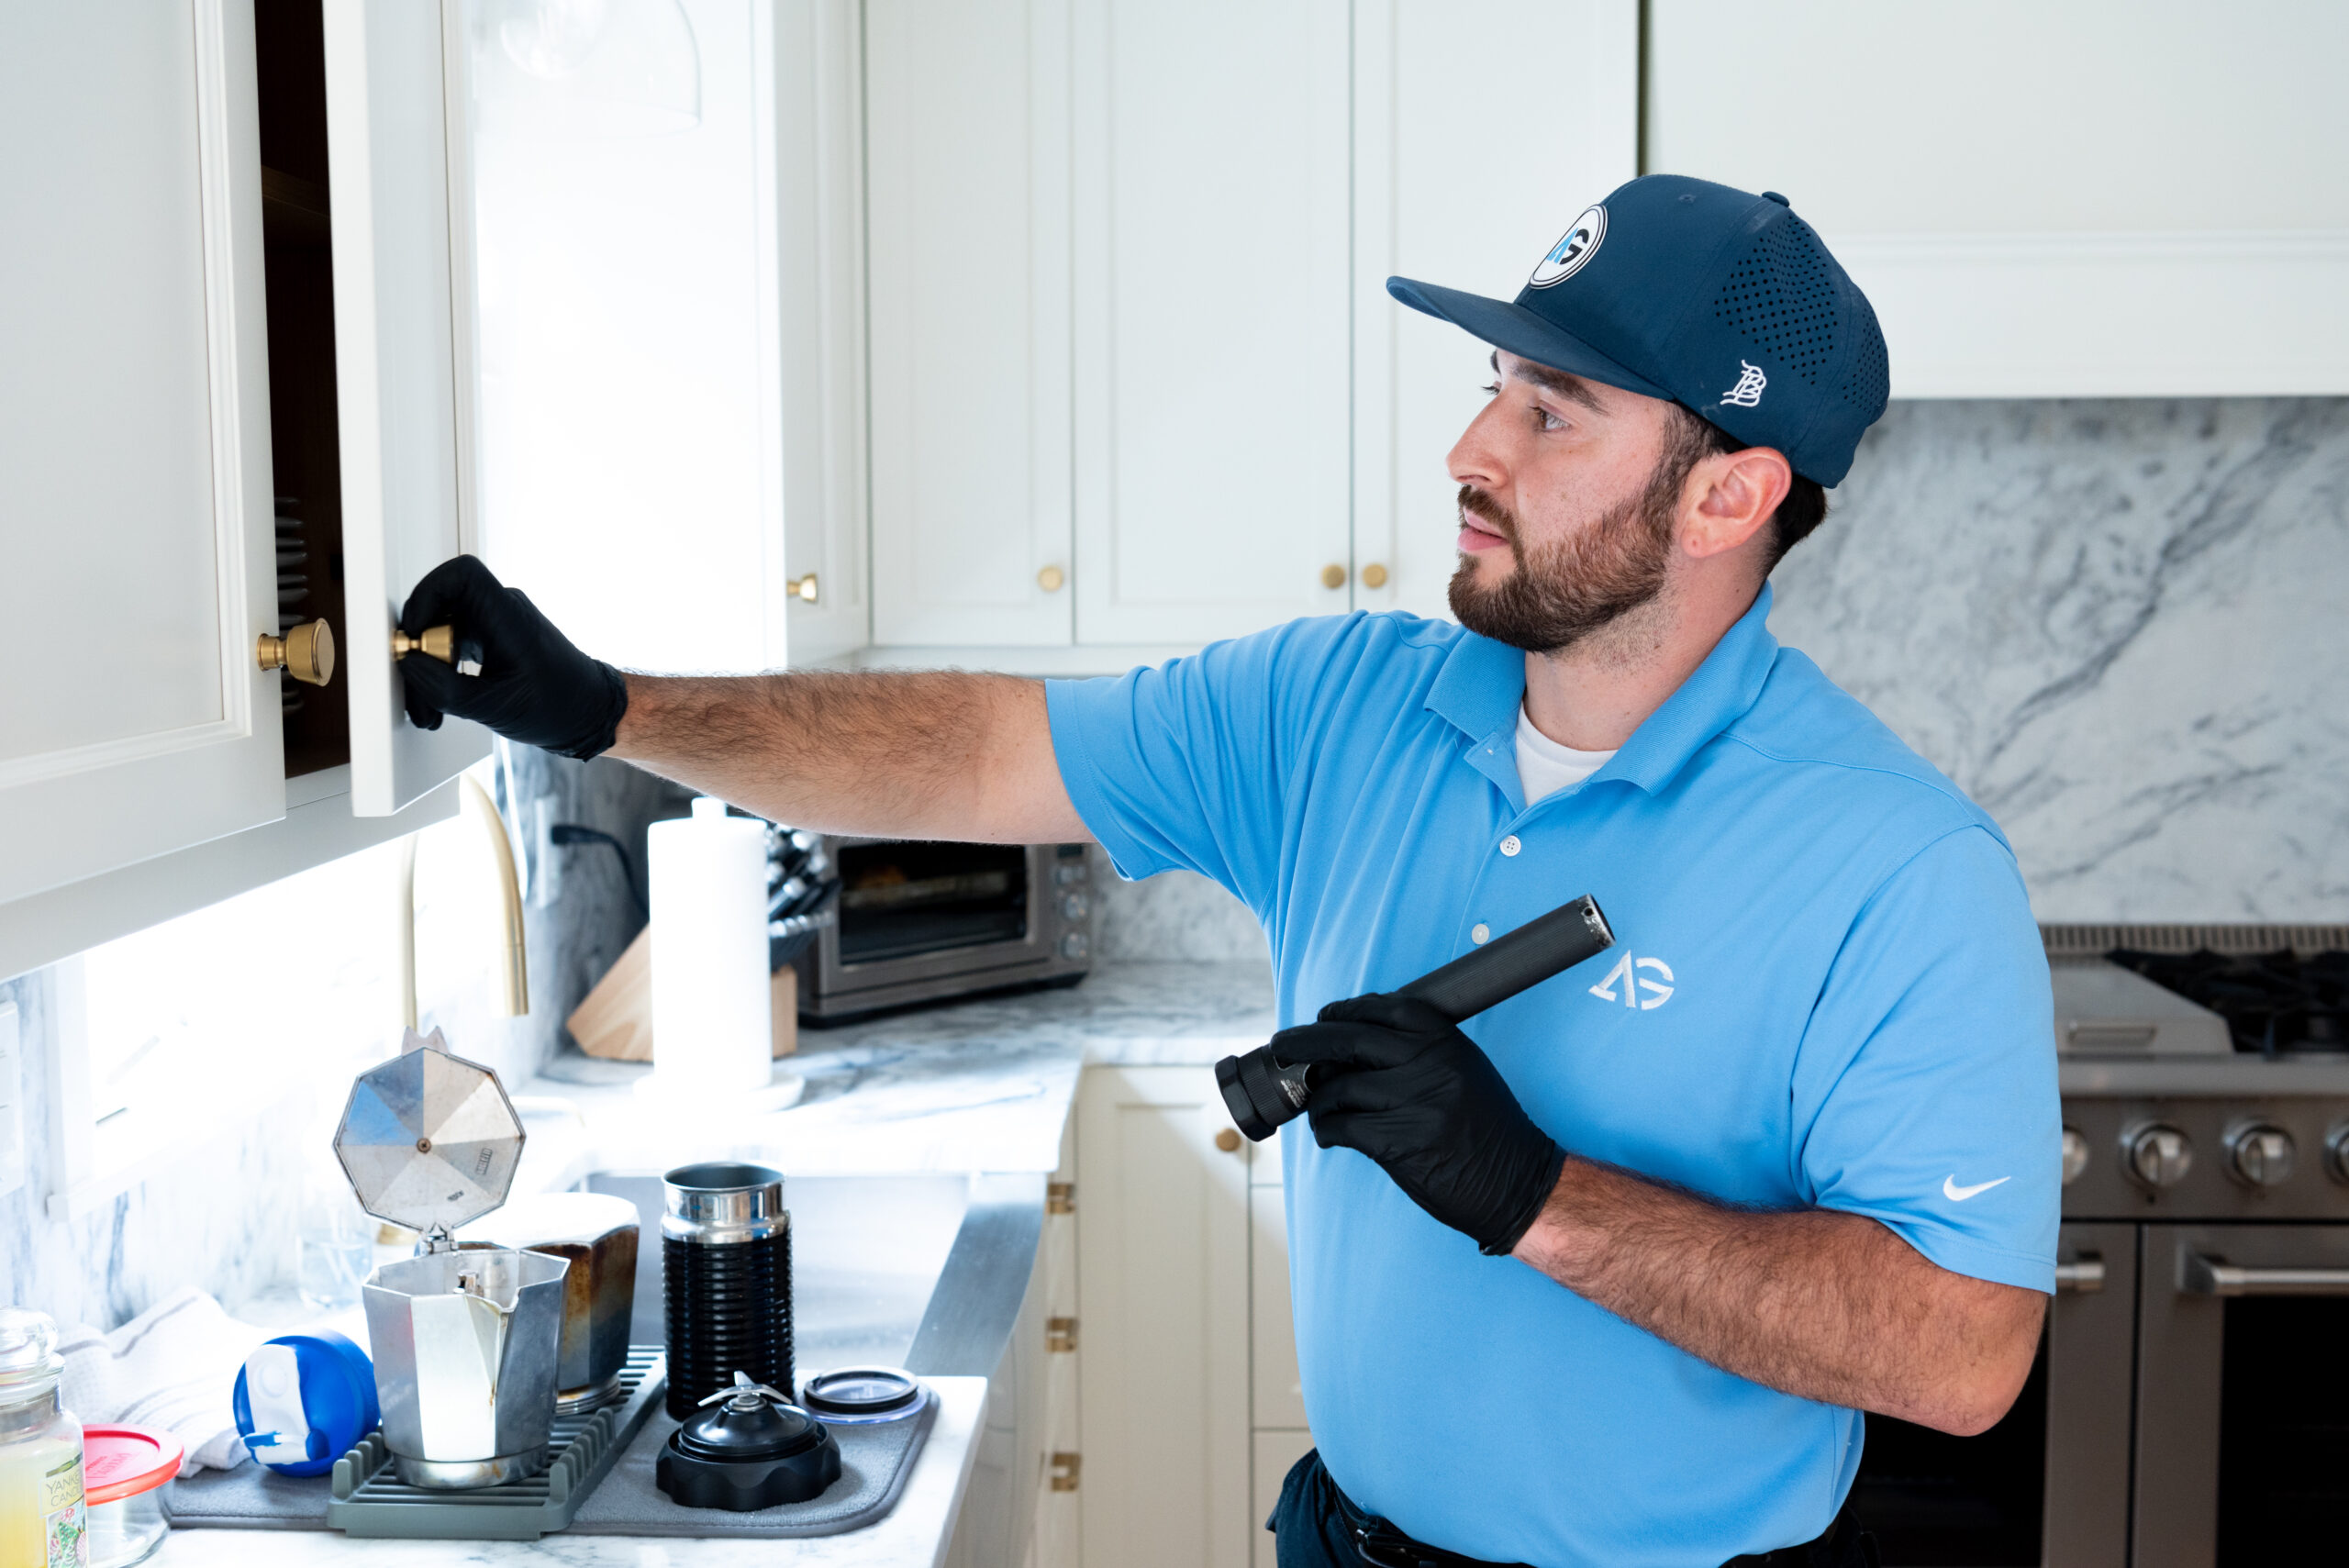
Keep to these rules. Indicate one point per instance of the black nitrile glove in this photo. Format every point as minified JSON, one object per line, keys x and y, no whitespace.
{"x":534,"y":686}
{"x":1405,"y":1087}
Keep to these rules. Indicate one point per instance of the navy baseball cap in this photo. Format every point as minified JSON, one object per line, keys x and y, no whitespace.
{"x":1715,"y":298}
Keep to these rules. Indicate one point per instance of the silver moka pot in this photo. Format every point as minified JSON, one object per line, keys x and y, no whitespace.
{"x":465,"y":1340}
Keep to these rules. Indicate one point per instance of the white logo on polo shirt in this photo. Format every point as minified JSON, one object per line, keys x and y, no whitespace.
{"x":1630,"y":977}
{"x":1955,"y":1194}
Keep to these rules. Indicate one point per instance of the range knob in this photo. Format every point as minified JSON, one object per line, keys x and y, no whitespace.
{"x":1073,"y":906}
{"x":2336,"y":1154}
{"x":2259,"y":1154}
{"x":2075,"y":1154}
{"x":2156,"y":1155}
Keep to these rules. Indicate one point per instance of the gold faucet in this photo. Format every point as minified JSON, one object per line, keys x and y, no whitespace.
{"x":517,"y":967}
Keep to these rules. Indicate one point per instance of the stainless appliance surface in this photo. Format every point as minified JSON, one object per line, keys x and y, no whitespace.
{"x":2184,"y":1408}
{"x":922,"y":922}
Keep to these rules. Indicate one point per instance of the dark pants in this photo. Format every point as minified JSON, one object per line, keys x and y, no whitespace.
{"x":1315,"y":1525}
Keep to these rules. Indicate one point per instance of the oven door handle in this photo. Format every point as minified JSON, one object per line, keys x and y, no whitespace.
{"x":2216,"y":1277}
{"x":2085,"y":1277}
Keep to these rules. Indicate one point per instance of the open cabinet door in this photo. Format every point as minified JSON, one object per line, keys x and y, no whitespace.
{"x":136,"y":516}
{"x":403,"y":314}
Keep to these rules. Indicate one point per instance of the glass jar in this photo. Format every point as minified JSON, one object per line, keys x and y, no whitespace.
{"x":42,"y":1517}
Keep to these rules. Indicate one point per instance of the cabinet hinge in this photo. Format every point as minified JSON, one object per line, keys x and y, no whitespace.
{"x":1064,"y":1467}
{"x":1060,"y":1197}
{"x":1060,"y":1335}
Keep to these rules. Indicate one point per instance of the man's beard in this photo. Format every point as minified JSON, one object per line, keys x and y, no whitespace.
{"x":1561,"y":593}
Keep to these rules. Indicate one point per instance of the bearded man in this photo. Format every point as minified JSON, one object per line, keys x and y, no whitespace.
{"x":1606,"y":1276}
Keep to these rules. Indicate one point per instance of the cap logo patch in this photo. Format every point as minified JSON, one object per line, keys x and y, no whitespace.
{"x":1747,"y":393}
{"x":1576,"y":247}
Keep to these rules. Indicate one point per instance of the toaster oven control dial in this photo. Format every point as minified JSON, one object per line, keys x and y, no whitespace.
{"x":1074,"y":945}
{"x":2076,"y":1155}
{"x":1073,"y":906}
{"x":2259,"y":1154}
{"x":2156,"y":1155}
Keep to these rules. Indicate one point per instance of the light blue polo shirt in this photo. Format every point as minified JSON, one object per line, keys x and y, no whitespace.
{"x":1827,"y":990}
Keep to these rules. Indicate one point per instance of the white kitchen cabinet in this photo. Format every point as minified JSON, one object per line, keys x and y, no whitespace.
{"x":966,"y":162}
{"x":2101,"y":198}
{"x":187,"y":336}
{"x":1129,"y":311}
{"x":1210,"y":241}
{"x":1162,"y":1307}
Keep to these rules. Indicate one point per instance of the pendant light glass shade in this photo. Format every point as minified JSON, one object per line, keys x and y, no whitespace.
{"x":584,"y":69}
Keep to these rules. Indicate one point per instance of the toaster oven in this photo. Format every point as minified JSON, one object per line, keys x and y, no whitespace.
{"x":925,"y":922}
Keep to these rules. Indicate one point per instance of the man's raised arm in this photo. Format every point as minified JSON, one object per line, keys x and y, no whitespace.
{"x":933,"y":755}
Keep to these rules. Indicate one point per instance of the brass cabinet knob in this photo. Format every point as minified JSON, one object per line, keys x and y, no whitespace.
{"x":1374,"y":575}
{"x":1333,"y":575}
{"x":304,"y":652}
{"x":801,"y":588}
{"x":435,"y":642}
{"x":1228,"y":1140}
{"x":1051,"y":578}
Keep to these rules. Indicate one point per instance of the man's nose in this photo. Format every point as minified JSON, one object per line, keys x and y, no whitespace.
{"x":1475,"y":457}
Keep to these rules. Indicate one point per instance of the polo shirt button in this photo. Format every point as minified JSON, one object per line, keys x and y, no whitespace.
{"x":1509,"y":845}
{"x":1480,"y":933}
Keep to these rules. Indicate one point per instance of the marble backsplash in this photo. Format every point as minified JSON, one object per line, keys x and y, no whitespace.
{"x":2119,"y":626}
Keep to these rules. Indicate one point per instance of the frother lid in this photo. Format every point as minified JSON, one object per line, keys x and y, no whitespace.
{"x":429,"y":1140}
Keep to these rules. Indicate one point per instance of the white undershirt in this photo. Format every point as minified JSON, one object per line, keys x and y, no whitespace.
{"x":1544,"y":767}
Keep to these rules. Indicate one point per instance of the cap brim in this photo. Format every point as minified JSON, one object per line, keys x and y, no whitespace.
{"x":1508,"y":326}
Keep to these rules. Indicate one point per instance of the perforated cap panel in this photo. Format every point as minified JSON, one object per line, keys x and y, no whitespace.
{"x":1781,"y":295}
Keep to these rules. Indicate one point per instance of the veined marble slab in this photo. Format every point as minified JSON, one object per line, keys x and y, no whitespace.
{"x":2120,"y":627}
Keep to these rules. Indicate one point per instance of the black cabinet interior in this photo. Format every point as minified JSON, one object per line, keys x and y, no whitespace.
{"x":306,"y":455}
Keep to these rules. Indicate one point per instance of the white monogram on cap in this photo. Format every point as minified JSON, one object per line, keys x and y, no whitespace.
{"x":1748,"y":390}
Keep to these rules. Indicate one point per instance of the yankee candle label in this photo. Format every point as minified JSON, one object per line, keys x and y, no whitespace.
{"x":62,"y":1519}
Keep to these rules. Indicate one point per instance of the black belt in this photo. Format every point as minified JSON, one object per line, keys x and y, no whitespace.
{"x":1842,"y":1545}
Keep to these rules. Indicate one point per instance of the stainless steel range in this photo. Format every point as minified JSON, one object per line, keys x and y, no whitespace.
{"x":2190,"y":1405}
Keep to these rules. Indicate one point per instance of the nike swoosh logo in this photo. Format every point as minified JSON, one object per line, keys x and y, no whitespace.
{"x":1955,"y":1194}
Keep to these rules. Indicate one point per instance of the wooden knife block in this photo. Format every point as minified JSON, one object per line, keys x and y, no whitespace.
{"x":615,"y":1019}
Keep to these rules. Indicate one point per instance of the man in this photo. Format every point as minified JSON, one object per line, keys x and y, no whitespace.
{"x":1604,"y":1276}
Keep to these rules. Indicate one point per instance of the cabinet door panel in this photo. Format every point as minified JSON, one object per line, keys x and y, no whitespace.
{"x":967,"y":181}
{"x":1161,"y":1287}
{"x":402,"y":323}
{"x":135,"y":497}
{"x":1212,"y":357}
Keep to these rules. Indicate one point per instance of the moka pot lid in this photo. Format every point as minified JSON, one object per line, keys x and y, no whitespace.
{"x":428,"y":1140}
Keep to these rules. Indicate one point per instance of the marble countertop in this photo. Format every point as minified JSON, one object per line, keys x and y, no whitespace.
{"x":981,"y":1086}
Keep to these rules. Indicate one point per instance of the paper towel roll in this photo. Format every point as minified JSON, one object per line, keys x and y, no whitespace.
{"x":711,"y":1031}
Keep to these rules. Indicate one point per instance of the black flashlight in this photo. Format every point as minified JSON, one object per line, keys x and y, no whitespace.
{"x":1262,"y":1092}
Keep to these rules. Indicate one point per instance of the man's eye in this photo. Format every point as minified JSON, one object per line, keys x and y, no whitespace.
{"x":1545,"y":421}
{"x":1492,"y":389}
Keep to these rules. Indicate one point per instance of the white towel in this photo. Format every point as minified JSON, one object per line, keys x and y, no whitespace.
{"x":173,"y":1366}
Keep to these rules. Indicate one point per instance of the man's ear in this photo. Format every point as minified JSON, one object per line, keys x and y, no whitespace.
{"x":1730,"y":496}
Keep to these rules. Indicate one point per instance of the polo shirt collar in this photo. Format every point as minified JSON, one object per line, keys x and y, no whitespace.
{"x":1482,"y":686}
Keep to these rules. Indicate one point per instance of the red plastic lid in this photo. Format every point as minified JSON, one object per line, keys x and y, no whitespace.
{"x":122,"y":1461}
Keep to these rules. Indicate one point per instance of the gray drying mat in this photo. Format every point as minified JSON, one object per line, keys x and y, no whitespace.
{"x":875,"y":1458}
{"x":365,"y":1497}
{"x":615,"y":1499}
